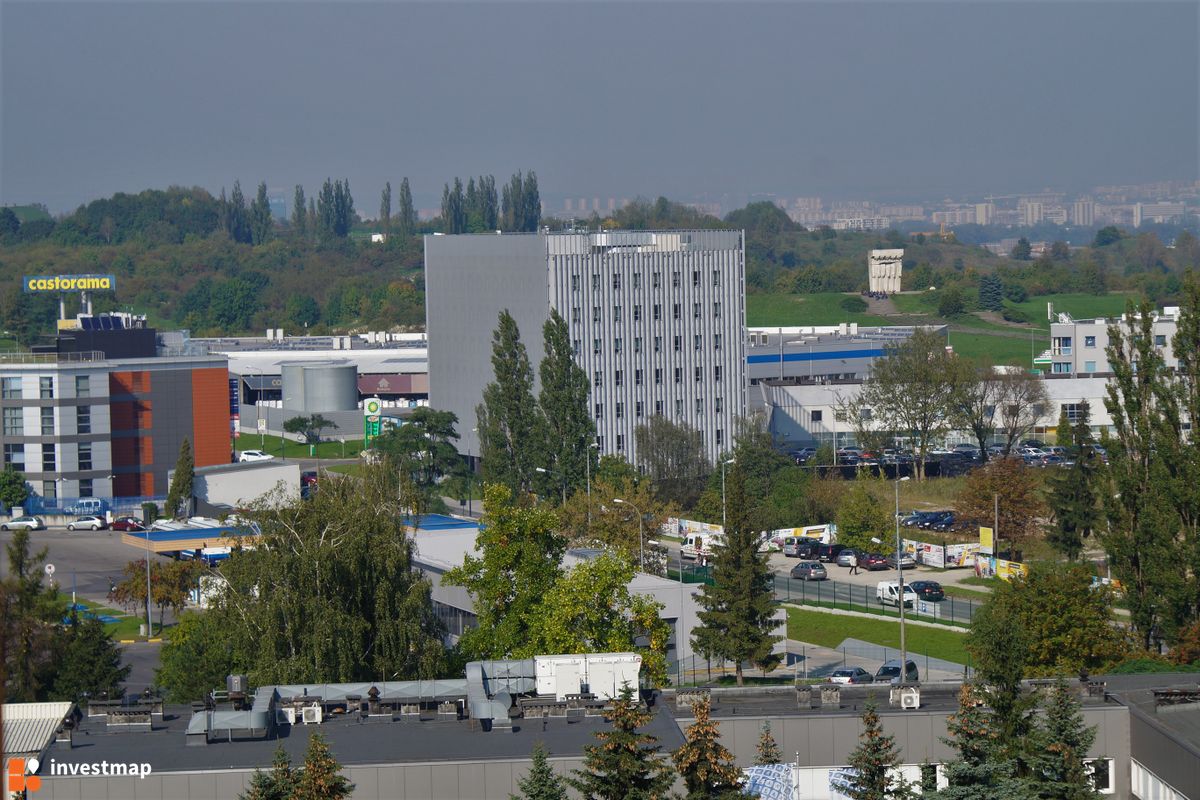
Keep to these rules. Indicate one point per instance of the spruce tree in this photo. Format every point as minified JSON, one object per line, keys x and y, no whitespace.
{"x":278,"y":784}
{"x":626,"y":764}
{"x":90,"y":661}
{"x":1062,"y":431}
{"x":980,"y":770}
{"x":706,"y":766}
{"x":563,"y":400}
{"x":767,"y":751}
{"x":321,"y":778}
{"x":509,"y":423}
{"x":738,"y":619}
{"x":1075,"y":494}
{"x":991,"y":293}
{"x":179,"y":495}
{"x":874,"y":764}
{"x":540,"y":783}
{"x":32,"y":612}
{"x":1059,"y":773}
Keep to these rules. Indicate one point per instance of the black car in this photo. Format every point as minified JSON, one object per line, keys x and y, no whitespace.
{"x":936,"y":519}
{"x":917,"y":518}
{"x":803,"y":455}
{"x":829,"y":552}
{"x":946,"y":523}
{"x":928,"y":590}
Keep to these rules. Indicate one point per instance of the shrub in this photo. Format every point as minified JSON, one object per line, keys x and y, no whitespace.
{"x":855,"y":305}
{"x":1014,"y":315}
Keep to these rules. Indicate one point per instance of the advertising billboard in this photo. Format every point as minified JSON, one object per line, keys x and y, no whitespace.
{"x":33,"y":284}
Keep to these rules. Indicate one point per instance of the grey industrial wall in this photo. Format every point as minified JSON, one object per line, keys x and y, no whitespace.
{"x":232,"y":487}
{"x":469,"y":280}
{"x":1167,"y":756}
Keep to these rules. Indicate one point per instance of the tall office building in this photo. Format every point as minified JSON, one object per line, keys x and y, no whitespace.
{"x":656,"y":320}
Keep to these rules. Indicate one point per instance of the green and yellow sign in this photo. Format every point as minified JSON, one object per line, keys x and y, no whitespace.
{"x":372,"y":419}
{"x":33,"y":284}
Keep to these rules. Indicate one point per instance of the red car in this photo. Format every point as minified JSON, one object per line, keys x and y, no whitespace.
{"x":872,"y":562}
{"x":127,"y":524}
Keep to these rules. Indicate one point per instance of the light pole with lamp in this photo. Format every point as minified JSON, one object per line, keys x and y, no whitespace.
{"x":564,"y":483}
{"x":900,"y":587}
{"x":723,"y":463}
{"x":641,"y":534}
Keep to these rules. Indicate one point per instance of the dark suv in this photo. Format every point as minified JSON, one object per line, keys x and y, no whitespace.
{"x":829,"y":552}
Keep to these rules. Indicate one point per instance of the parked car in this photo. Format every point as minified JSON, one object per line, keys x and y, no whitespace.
{"x":906,"y":561}
{"x":803,"y":455}
{"x":829,"y":552}
{"x":809,"y":571}
{"x":1036,"y":443}
{"x":928,"y":590}
{"x":1053,"y":461}
{"x":934,"y":519}
{"x":843,"y":558}
{"x":888,"y":594}
{"x":945,"y":523}
{"x":965,"y":449}
{"x":254,"y":455}
{"x":127,"y":524}
{"x":89,"y":521}
{"x":872,"y":562}
{"x":851,"y":675}
{"x":28,"y":523}
{"x":890,"y":672}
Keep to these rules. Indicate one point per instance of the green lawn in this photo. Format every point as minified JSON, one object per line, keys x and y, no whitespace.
{"x":294,"y":449}
{"x":1080,"y":306}
{"x":923,"y":303}
{"x":830,"y":630}
{"x":786,"y":310}
{"x":127,"y":625}
{"x":999,"y":349}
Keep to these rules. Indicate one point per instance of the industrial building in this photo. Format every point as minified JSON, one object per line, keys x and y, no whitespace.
{"x":656,"y":320}
{"x":472,"y":737}
{"x":103,"y":408}
{"x":277,"y":377}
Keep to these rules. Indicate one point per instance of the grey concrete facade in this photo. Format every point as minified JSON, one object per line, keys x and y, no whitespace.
{"x":656,"y":322}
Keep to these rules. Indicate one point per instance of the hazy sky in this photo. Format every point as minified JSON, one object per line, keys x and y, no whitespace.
{"x":895,"y":99}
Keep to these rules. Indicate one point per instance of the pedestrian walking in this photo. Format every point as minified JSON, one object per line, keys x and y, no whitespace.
{"x":854,"y":563}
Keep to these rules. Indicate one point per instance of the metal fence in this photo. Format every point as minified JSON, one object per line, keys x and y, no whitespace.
{"x":854,"y":597}
{"x":120,"y":506}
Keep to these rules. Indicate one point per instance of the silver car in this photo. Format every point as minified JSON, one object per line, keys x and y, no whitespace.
{"x":29,"y":523}
{"x":809,"y":571}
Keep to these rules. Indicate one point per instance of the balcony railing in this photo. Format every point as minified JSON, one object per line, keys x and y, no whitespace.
{"x":51,"y":358}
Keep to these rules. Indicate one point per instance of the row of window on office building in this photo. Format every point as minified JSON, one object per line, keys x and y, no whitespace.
{"x":11,"y":387}
{"x":14,"y":420}
{"x":698,"y":344}
{"x":656,"y":280}
{"x":720,"y":434}
{"x":656,"y":312}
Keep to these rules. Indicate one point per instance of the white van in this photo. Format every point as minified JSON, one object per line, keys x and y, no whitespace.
{"x":888,"y":594}
{"x":700,"y":545}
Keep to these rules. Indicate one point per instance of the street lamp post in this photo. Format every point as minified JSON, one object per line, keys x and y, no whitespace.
{"x":900,"y":588}
{"x":723,"y":463}
{"x":641,"y":533}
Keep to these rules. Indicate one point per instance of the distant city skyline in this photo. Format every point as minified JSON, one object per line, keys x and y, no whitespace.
{"x":890,"y":102}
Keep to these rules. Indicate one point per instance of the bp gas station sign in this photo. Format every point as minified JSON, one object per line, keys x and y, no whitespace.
{"x":372,"y":419}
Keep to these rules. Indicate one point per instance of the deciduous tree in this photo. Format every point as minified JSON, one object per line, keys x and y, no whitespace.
{"x":13,"y":489}
{"x":196,"y":658}
{"x":406,"y":218}
{"x":299,"y":212}
{"x":672,"y":455}
{"x":260,"y":216}
{"x":563,"y":400}
{"x":511,"y":428}
{"x":308,"y":427}
{"x":385,"y":207}
{"x":423,"y":448}
{"x":1010,"y":486}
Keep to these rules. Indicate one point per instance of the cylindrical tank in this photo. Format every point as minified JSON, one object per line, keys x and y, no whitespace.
{"x":313,"y":387}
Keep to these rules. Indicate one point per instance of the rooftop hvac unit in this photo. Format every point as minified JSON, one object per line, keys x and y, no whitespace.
{"x":237,"y":683}
{"x":285,"y":715}
{"x":312,"y":715}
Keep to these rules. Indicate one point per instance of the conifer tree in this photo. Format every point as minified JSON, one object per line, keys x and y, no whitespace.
{"x":179,"y":495}
{"x":991,"y":292}
{"x":321,"y":778}
{"x":874,"y":764}
{"x":509,"y":424}
{"x":1059,"y":773}
{"x":738,"y":619}
{"x":626,"y":764}
{"x":278,"y":784}
{"x":980,"y":770}
{"x":767,"y":751}
{"x":706,"y":766}
{"x":1062,"y":431}
{"x":1074,"y":498}
{"x":540,"y":783}
{"x":31,"y":614}
{"x":563,"y":400}
{"x":90,"y":661}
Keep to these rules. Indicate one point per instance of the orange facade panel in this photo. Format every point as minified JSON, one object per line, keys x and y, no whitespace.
{"x":137,"y":382}
{"x":210,"y":416}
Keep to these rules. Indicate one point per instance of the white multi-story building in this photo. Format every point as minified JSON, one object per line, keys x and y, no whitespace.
{"x":1156,"y":212}
{"x":1083,"y":213}
{"x":985,"y":213}
{"x":1031,"y":212}
{"x":656,"y":320}
{"x":1079,"y":346}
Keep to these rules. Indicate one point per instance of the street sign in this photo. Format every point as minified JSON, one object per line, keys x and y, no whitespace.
{"x":372,"y":419}
{"x":50,"y":570}
{"x":262,"y":426}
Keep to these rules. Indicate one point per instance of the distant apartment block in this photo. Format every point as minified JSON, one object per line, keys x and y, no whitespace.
{"x":985,"y":213}
{"x":1032,"y":212}
{"x":656,"y":322}
{"x":1156,"y":212}
{"x":861,"y":224}
{"x":1083,"y":213}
